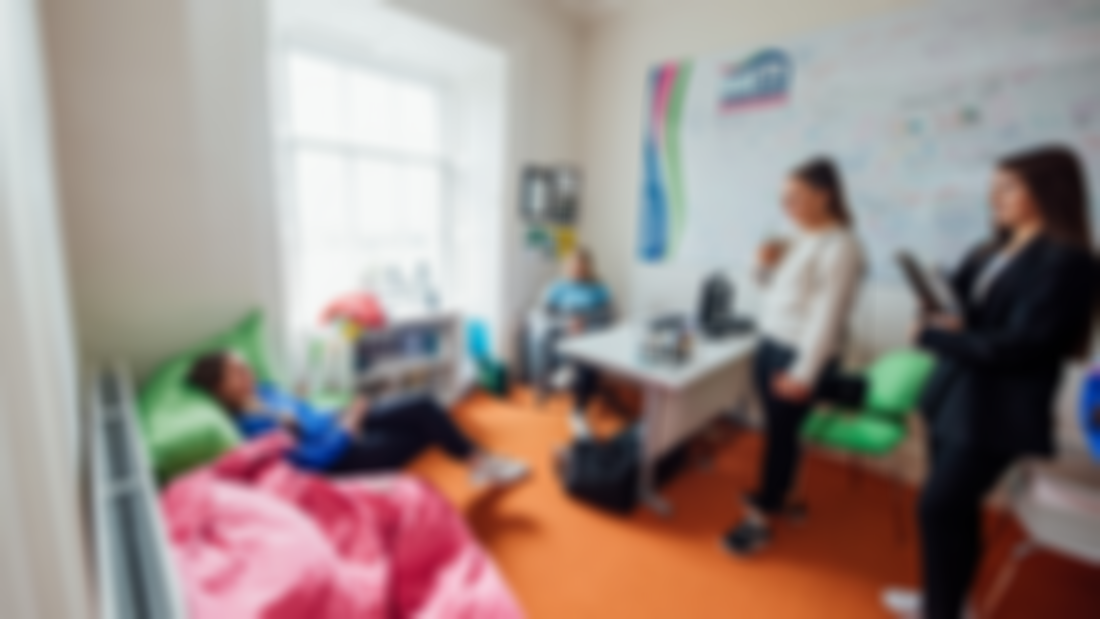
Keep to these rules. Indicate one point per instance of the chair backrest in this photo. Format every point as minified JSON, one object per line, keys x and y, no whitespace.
{"x":1059,"y":508}
{"x":896,"y":381}
{"x":1089,"y":411}
{"x":479,"y":343}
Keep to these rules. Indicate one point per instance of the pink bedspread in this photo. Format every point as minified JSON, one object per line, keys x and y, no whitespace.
{"x":255,"y":538}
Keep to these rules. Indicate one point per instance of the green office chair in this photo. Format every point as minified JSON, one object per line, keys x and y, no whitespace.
{"x":894,"y":386}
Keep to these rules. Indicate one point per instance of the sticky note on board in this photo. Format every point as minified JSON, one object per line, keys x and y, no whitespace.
{"x":565,"y":240}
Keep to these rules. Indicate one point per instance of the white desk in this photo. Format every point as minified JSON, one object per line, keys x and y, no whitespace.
{"x":678,"y":400}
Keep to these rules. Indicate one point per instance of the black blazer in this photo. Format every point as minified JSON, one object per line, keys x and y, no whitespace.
{"x":996,"y":380}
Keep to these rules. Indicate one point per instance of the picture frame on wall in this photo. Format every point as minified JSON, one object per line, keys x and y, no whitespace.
{"x":550,"y":195}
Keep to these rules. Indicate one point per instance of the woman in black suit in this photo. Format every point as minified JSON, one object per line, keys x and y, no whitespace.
{"x":1027,"y":301}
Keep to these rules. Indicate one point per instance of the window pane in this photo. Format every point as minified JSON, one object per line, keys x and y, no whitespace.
{"x":365,"y":212}
{"x":322,"y":196}
{"x":421,"y":197}
{"x":372,"y":110}
{"x":418,"y":119}
{"x":377,"y":204}
{"x":315,"y":97}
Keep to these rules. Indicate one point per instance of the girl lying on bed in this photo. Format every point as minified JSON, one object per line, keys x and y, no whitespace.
{"x":363,"y":438}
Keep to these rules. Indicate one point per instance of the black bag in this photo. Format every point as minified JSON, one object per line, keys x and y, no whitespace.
{"x":604,"y":474}
{"x":717,"y":309}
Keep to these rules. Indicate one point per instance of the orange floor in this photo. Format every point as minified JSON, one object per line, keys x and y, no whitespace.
{"x":567,"y":561}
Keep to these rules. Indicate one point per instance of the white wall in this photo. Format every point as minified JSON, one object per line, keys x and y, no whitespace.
{"x":42,"y":558}
{"x":161,"y":120}
{"x":542,"y":45}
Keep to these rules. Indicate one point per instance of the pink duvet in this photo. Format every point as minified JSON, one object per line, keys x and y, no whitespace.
{"x":255,"y":538}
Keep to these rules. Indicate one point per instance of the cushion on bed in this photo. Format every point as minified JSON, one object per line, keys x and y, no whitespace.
{"x":184,"y":428}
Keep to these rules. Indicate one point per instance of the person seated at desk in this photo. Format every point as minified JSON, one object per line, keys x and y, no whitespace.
{"x":810,"y":286}
{"x":363,"y":438}
{"x":577,"y":303}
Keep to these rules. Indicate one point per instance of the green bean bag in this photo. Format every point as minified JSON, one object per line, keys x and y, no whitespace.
{"x":184,"y":428}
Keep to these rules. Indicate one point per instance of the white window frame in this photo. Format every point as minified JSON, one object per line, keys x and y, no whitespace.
{"x":287,"y":144}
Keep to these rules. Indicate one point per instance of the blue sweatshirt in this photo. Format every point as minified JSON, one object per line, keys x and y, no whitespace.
{"x":321,"y":440}
{"x":589,"y":301}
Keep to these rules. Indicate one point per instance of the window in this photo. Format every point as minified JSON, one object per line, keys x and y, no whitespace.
{"x":368,"y":169}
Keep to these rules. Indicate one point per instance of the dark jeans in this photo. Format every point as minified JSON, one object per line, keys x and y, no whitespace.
{"x":398,"y":431}
{"x":950,"y":522}
{"x":586,"y":383}
{"x":783,"y":423}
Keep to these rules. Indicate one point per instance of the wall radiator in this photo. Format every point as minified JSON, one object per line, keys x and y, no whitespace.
{"x":135,"y":575}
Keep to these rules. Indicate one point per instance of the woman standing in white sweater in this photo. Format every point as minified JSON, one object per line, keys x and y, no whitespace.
{"x":810,"y":285}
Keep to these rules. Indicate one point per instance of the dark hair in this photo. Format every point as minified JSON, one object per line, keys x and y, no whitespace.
{"x":822,"y":174}
{"x":207,"y":372}
{"x":1055,"y":179}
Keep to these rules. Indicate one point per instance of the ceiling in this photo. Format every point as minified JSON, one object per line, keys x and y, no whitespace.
{"x":592,"y":8}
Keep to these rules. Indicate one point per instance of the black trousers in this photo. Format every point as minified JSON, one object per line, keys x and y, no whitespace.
{"x":586,"y":383}
{"x":783,"y":423}
{"x":396,"y":432}
{"x":950,"y":522}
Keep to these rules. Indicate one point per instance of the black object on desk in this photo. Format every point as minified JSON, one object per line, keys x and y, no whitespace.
{"x":717,"y":309}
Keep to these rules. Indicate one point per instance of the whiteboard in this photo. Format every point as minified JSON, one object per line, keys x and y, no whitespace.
{"x":916,"y":108}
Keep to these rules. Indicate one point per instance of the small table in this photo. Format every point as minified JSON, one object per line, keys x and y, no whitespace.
{"x":679,"y":400}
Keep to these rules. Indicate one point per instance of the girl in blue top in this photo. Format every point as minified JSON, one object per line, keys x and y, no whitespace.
{"x":363,"y":438}
{"x":575,"y":304}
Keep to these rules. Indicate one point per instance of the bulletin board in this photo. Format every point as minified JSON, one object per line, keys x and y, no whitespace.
{"x":916,"y":107}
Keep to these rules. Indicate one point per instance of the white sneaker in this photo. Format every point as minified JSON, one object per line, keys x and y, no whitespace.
{"x":903,"y":603}
{"x":498,"y":472}
{"x":563,"y":378}
{"x":909,"y":604}
{"x":579,"y":425}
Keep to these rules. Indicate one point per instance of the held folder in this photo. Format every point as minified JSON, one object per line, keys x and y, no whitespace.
{"x":933,"y":292}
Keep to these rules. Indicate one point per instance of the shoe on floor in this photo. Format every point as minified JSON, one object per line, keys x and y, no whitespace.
{"x":578,"y":424}
{"x":903,"y":603}
{"x":563,"y":378}
{"x":747,"y":538}
{"x":498,"y":472}
{"x":909,"y":604}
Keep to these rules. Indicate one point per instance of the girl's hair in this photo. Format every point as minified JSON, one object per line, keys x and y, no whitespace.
{"x":585,"y":256}
{"x":822,"y":174}
{"x":207,"y":372}
{"x":1055,"y":179}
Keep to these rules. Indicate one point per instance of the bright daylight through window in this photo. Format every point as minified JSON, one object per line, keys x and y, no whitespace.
{"x":368,"y":177}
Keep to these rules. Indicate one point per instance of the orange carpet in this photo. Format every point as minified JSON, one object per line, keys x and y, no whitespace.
{"x":568,"y":561}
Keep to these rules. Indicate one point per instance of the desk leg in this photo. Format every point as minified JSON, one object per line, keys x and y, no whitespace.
{"x":655,"y":402}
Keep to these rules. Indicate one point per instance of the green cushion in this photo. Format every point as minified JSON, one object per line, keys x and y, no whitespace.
{"x":896,"y":380}
{"x":187,"y":431}
{"x":861,"y":434}
{"x":184,"y":428}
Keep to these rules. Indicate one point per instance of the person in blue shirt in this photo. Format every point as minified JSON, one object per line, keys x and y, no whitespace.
{"x":577,"y":303}
{"x":365,"y":437}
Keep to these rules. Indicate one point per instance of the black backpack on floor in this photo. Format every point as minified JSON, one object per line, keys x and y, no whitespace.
{"x":603,"y":473}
